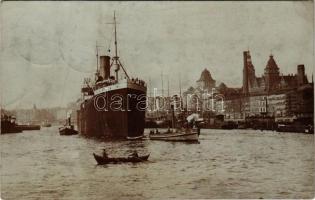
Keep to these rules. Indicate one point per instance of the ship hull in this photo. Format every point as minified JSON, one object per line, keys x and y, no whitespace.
{"x":9,"y":127}
{"x":113,"y":114}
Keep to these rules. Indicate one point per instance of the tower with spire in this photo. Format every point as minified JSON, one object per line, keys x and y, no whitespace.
{"x":249,"y":76}
{"x":271,"y":81}
{"x":272,"y":75}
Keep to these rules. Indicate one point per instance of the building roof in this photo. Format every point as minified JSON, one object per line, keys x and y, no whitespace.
{"x":229,"y":92}
{"x":289,"y":80}
{"x":205,"y":76}
{"x":189,"y":90}
{"x":222,"y":87}
{"x":260,"y":81}
{"x":271,"y":64}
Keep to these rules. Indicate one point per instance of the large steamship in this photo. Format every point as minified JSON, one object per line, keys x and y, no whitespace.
{"x":113,"y":106}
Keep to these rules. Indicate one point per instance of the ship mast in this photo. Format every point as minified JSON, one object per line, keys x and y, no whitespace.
{"x":180,"y":91}
{"x":116,"y":55}
{"x":180,"y":86}
{"x":162,"y":84}
{"x":116,"y":58}
{"x":96,"y":47}
{"x":150,"y":88}
{"x":168,"y":86}
{"x":97,"y":70}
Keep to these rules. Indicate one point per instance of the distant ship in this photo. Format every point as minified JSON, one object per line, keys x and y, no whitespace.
{"x":112,"y":106}
{"x":46,"y":124}
{"x":9,"y":125}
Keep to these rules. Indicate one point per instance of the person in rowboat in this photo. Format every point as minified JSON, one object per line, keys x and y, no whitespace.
{"x":105,"y":154}
{"x":134,"y":154}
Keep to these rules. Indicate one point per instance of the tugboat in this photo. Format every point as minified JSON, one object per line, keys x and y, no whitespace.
{"x":68,"y":129}
{"x":112,"y":106}
{"x":8,"y":124}
{"x":190,"y":133}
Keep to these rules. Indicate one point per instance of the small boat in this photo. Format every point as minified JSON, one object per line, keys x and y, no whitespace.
{"x":67,"y":130}
{"x":46,"y":124}
{"x":101,"y":160}
{"x":28,"y":127}
{"x":295,"y":128}
{"x":189,"y":134}
{"x":184,"y":135}
{"x":135,"y":138}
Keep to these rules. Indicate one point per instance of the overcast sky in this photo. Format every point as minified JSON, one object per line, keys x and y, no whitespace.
{"x":47,"y":48}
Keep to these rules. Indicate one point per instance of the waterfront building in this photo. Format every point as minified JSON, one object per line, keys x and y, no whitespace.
{"x":271,"y":81}
{"x":283,"y":97}
{"x":199,"y":98}
{"x":205,"y":82}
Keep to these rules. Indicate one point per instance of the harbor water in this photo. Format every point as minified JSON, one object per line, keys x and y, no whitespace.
{"x":224,"y":164}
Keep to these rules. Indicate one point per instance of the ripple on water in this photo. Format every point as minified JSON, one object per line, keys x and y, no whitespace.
{"x":225,"y":164}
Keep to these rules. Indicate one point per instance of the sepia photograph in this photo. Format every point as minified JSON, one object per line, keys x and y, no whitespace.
{"x":157,"y":100}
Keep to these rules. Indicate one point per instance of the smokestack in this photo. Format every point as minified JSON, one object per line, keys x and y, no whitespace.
{"x":105,"y":67}
{"x":301,"y":69}
{"x":300,"y":75}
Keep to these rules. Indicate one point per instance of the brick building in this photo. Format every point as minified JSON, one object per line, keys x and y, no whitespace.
{"x":284,"y":97}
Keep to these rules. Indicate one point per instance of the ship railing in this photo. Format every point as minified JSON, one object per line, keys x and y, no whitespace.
{"x":137,"y":81}
{"x":103,"y":83}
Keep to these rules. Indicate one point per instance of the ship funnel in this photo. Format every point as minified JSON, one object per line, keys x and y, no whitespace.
{"x":105,"y":67}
